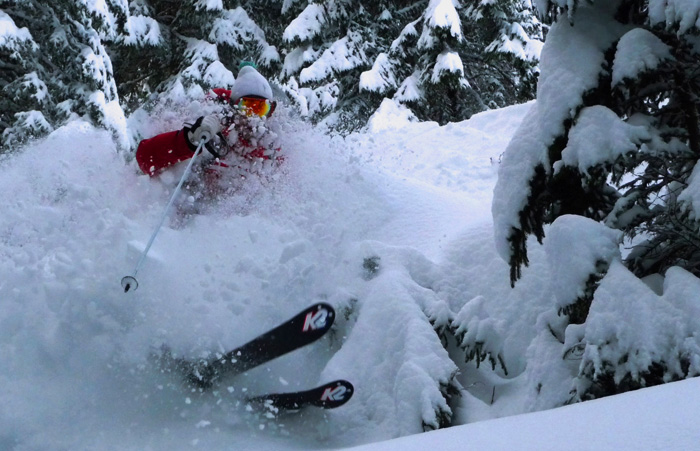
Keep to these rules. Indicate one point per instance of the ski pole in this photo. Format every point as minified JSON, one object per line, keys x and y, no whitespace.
{"x":129,"y":282}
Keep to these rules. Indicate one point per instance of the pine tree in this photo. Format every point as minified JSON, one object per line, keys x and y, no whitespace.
{"x":658,"y":202}
{"x":653,"y":101}
{"x":422,"y":67}
{"x":454,"y":59}
{"x":614,"y":138}
{"x":394,"y":72}
{"x":504,"y":43}
{"x":192,"y":46}
{"x":326,"y":54}
{"x":56,"y":67}
{"x":326,"y":47}
{"x":447,"y":94}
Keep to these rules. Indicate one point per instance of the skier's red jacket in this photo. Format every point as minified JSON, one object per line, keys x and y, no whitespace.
{"x":164,"y":150}
{"x":161,"y":151}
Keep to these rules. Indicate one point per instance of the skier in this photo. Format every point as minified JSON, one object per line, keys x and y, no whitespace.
{"x":234,"y":139}
{"x":233,"y":131}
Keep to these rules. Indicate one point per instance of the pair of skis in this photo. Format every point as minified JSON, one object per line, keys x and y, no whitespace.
{"x":302,"y":329}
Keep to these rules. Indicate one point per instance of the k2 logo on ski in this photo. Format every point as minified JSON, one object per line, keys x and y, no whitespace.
{"x":315,"y":320}
{"x":334,"y":394}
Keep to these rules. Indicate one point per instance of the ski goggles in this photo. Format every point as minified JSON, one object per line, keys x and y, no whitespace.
{"x":257,"y":106}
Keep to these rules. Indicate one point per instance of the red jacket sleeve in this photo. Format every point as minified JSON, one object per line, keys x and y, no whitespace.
{"x":161,"y":151}
{"x":222,"y":94}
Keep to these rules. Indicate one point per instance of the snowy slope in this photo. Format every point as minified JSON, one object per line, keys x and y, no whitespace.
{"x":658,"y":418}
{"x":77,"y":353}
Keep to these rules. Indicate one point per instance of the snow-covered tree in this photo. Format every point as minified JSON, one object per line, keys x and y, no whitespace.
{"x":337,"y":59}
{"x":327,"y":45}
{"x":479,"y":335}
{"x":504,"y":41}
{"x":614,"y":138}
{"x":56,"y":67}
{"x":192,"y":45}
{"x":452,"y":59}
{"x":411,"y":371}
{"x":423,"y":69}
{"x":447,"y":94}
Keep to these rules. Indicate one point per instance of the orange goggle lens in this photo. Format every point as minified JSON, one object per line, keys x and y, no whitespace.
{"x":253,"y":106}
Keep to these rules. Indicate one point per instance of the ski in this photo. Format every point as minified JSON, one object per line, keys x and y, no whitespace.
{"x":328,"y":396}
{"x":304,"y":328}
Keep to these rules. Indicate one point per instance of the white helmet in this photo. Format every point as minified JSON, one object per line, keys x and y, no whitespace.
{"x":250,"y":83}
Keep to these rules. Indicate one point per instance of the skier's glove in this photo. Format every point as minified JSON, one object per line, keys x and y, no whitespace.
{"x":205,"y":128}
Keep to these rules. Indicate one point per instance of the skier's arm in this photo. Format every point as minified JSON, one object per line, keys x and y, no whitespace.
{"x":223,"y":95}
{"x":166,"y":149}
{"x":161,"y":151}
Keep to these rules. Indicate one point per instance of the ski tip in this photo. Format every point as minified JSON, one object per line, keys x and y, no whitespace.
{"x":327,"y":396}
{"x":323,"y":306}
{"x":317,"y":319}
{"x":336,"y":393}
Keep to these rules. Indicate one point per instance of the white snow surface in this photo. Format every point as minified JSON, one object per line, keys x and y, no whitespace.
{"x":388,"y":115}
{"x":78,"y":370}
{"x":658,"y":418}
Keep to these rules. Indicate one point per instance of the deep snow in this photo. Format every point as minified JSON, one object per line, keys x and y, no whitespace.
{"x":657,"y":418}
{"x":77,"y":368}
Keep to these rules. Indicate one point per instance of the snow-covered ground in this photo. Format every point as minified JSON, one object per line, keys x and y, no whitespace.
{"x":657,"y":418}
{"x":77,"y":366}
